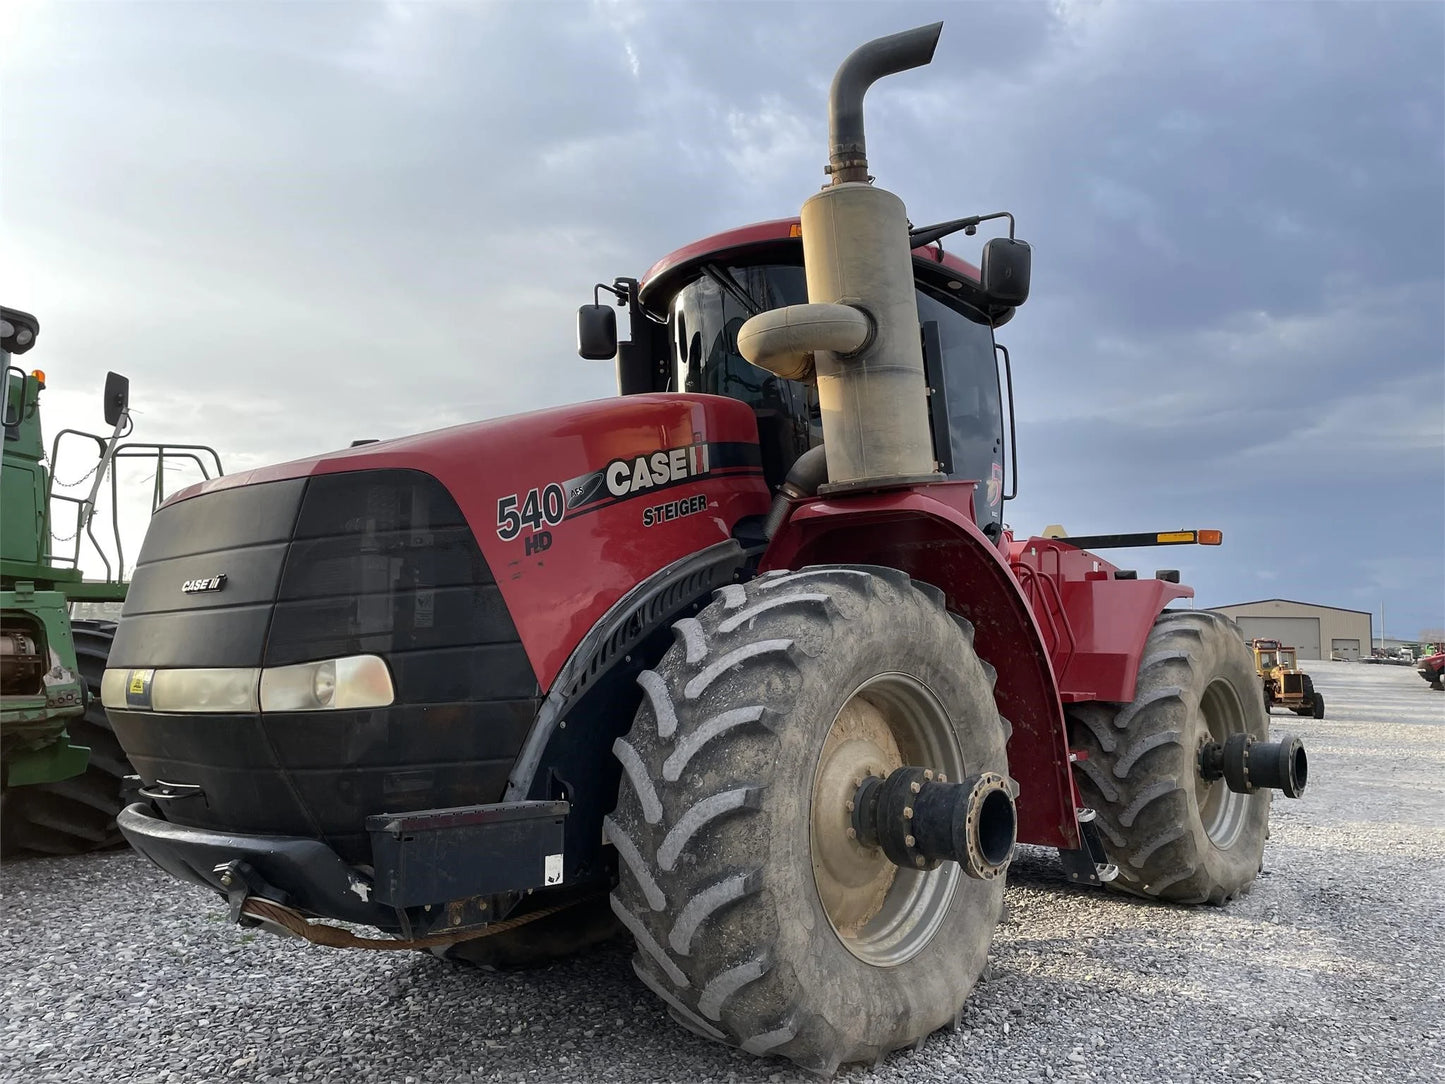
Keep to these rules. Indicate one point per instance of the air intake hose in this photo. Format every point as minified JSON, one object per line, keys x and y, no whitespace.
{"x":807,"y":474}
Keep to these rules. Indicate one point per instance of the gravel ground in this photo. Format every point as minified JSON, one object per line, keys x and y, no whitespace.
{"x":1330,"y":970}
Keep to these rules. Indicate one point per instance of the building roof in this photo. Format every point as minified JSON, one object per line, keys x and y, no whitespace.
{"x":1292,"y":602}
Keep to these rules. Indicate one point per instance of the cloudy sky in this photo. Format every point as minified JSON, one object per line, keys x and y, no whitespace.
{"x":297,"y":224}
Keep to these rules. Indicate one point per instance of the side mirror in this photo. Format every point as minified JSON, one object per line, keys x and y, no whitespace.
{"x":18,"y":330}
{"x":597,"y":332}
{"x":1005,"y":270}
{"x":117,"y":398}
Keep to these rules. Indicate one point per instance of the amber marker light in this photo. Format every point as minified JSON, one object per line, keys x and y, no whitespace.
{"x":1164,"y":537}
{"x":39,"y":375}
{"x":1211,"y":538}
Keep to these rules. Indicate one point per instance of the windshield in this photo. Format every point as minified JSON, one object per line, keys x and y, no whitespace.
{"x":703,"y":324}
{"x":1286,"y":659}
{"x":703,"y":333}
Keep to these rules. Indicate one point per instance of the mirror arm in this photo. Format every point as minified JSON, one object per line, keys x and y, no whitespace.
{"x":619,"y":294}
{"x":926,"y":235}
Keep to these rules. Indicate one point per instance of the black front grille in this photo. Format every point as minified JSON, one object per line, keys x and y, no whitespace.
{"x":368,"y":562}
{"x":1294,"y":683}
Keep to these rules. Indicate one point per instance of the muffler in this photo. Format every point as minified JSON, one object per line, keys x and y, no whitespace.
{"x":857,"y":338}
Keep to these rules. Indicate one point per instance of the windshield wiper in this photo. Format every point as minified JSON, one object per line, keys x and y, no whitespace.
{"x":730,"y":286}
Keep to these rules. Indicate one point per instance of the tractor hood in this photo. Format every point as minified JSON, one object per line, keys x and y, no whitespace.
{"x":571,"y":506}
{"x":459,"y":568}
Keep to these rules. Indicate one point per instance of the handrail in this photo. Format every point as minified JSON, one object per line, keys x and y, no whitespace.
{"x":1060,"y":629}
{"x":205,"y":458}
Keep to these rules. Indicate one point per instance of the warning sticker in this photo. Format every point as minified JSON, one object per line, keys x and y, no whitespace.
{"x":138,"y":689}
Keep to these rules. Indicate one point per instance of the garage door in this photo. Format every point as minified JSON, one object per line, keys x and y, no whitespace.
{"x":1349,"y":650}
{"x":1301,"y":633}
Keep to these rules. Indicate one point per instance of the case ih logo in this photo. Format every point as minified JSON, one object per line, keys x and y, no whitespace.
{"x":626,"y":476}
{"x":206,"y":583}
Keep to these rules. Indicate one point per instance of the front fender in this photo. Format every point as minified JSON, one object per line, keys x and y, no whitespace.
{"x":927,"y":532}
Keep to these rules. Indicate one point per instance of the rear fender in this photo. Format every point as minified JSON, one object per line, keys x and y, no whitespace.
{"x":926,"y":532}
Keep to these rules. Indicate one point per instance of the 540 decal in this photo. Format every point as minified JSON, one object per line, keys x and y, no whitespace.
{"x":537,"y":510}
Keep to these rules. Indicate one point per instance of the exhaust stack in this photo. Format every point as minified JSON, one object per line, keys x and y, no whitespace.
{"x":847,"y":153}
{"x":857,"y":338}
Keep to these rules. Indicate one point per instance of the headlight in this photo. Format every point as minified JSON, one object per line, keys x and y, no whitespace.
{"x":358,"y":681}
{"x":232,"y":689}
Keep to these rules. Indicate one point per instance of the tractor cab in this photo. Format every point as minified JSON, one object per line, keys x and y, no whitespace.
{"x":685,"y":314}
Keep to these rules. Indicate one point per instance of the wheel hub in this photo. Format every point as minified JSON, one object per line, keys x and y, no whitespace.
{"x":882,"y":913}
{"x":852,"y":879}
{"x":1221,"y":811}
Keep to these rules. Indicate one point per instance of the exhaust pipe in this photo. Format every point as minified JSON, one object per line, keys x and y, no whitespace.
{"x":1247,"y":765}
{"x":921,"y":820}
{"x":847,"y":150}
{"x":857,"y":338}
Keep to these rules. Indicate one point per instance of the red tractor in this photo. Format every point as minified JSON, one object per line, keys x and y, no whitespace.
{"x":745,"y":658}
{"x":1432,"y":669}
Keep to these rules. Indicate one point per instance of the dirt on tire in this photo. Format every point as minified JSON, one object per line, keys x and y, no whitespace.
{"x":717,"y":883}
{"x":1172,"y":836}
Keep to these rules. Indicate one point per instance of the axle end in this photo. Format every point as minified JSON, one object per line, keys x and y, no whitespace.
{"x":1247,"y":765}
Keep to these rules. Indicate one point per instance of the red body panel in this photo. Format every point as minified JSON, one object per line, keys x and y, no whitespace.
{"x":1094,"y":626}
{"x":928,"y":532}
{"x":601,"y":548}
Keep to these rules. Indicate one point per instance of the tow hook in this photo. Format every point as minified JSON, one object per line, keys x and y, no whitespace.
{"x":921,"y":819}
{"x":1247,"y":765}
{"x":239,"y":881}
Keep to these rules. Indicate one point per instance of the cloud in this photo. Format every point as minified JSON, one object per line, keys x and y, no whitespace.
{"x":296,"y":225}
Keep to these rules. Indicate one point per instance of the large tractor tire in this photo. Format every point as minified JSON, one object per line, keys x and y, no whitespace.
{"x":1173,"y":835}
{"x":76,"y":815}
{"x":758,"y":919}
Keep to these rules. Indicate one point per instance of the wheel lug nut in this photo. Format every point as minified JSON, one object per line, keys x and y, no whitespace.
{"x":908,"y":841}
{"x":928,"y":774}
{"x":915,"y":787}
{"x":850,"y":805}
{"x":852,"y":833}
{"x":918,"y":859}
{"x":942,"y":778}
{"x":908,"y":812}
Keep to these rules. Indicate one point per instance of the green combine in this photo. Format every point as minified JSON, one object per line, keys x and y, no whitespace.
{"x":61,"y":768}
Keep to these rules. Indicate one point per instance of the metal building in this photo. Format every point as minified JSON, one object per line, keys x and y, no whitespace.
{"x":1317,"y":632}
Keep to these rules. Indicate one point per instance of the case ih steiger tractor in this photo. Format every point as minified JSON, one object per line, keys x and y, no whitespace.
{"x":748,"y":647}
{"x":60,"y":765}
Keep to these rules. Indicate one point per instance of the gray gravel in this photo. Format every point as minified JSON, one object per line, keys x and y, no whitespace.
{"x":1330,"y":970}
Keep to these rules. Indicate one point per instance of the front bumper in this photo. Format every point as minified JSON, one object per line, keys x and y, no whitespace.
{"x":301,"y":873}
{"x":475,"y":861}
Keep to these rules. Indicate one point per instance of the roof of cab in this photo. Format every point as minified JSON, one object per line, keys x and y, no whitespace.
{"x":734,"y":242}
